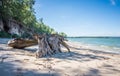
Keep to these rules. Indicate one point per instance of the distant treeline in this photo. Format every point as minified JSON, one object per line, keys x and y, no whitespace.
{"x":23,"y":12}
{"x":95,"y":37}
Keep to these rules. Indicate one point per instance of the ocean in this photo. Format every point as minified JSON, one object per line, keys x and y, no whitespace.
{"x":111,"y":44}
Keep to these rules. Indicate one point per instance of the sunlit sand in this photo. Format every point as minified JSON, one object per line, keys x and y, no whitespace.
{"x":81,"y":61}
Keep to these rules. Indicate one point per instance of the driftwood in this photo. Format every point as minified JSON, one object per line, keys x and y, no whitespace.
{"x":21,"y":43}
{"x":47,"y":44}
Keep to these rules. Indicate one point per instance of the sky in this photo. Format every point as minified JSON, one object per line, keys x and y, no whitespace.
{"x":81,"y":17}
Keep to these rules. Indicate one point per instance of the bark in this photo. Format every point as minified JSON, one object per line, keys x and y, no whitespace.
{"x":47,"y":44}
{"x":21,"y":43}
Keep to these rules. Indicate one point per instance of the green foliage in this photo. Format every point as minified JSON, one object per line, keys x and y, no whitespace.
{"x":25,"y":35}
{"x":4,"y":34}
{"x":20,"y":10}
{"x":42,"y":28}
{"x":15,"y":36}
{"x":23,"y":12}
{"x":62,"y":34}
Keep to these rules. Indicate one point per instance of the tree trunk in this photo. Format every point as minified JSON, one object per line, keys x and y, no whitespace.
{"x":47,"y":45}
{"x":21,"y":43}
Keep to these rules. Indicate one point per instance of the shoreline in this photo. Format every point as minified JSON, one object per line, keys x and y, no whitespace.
{"x":104,"y":48}
{"x":102,"y":41}
{"x":81,"y":61}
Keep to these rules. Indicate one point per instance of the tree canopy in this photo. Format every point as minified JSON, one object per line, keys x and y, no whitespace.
{"x":23,"y":11}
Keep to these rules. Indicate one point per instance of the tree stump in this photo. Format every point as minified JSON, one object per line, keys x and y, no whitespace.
{"x":49,"y":44}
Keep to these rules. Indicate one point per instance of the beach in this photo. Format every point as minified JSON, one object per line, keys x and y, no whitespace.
{"x":81,"y":61}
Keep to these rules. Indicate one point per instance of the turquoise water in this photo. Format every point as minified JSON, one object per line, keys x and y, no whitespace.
{"x":105,"y":41}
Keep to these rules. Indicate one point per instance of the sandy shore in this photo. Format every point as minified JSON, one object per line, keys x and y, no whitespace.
{"x":81,"y":61}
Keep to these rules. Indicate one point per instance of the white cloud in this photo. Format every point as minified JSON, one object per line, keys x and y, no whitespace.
{"x":113,"y":2}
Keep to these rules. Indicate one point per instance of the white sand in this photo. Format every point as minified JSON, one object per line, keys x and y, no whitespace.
{"x":81,"y":61}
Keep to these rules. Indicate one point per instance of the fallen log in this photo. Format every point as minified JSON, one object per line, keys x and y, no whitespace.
{"x":47,"y":44}
{"x":21,"y":43}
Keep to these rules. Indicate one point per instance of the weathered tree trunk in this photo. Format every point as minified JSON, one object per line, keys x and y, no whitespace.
{"x":43,"y":46}
{"x":47,"y":44}
{"x":21,"y":43}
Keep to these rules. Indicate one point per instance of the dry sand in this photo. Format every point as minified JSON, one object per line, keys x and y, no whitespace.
{"x":80,"y":62}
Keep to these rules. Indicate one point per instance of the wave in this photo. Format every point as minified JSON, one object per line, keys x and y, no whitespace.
{"x":104,"y":44}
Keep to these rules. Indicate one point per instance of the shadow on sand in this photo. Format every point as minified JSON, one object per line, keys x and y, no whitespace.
{"x":94,"y":51}
{"x":10,"y":69}
{"x":77,"y":56}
